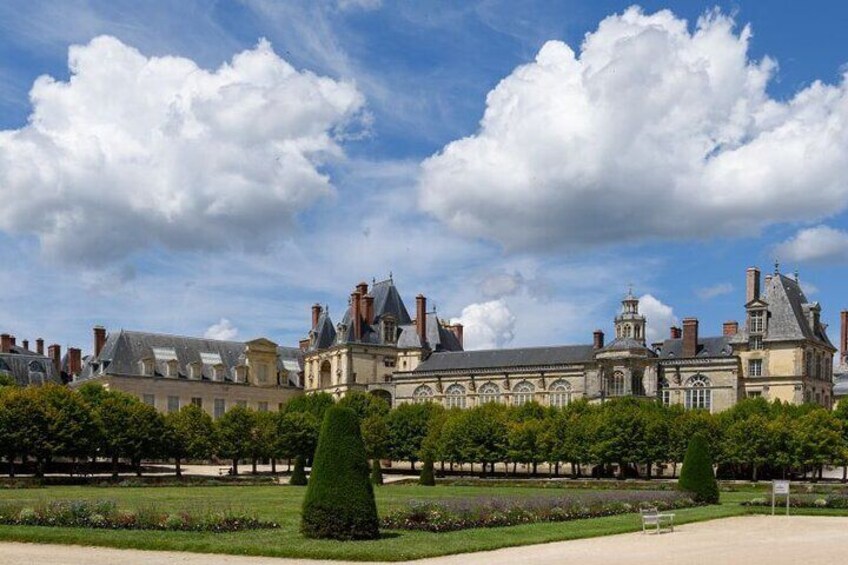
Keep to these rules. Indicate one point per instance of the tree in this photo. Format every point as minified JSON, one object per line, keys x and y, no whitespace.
{"x":364,"y":404}
{"x":817,"y":439}
{"x":841,"y":414}
{"x":73,"y":430}
{"x":145,"y":435}
{"x":477,"y":435}
{"x":697,"y":475}
{"x":24,"y":427}
{"x":427,"y":477}
{"x":263,"y":439}
{"x":375,"y":436}
{"x":190,"y":434}
{"x":315,"y":404}
{"x":339,"y":501}
{"x":748,"y":441}
{"x":297,"y":436}
{"x":525,"y":442}
{"x":113,"y":412}
{"x":407,"y":427}
{"x":233,"y":432}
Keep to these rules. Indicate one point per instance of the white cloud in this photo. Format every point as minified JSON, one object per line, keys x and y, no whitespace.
{"x":499,"y":284}
{"x":659,"y":318}
{"x":137,"y":151}
{"x":224,"y":330}
{"x":359,"y":4}
{"x":650,"y":131}
{"x":820,"y":244}
{"x":717,"y":289}
{"x":487,"y":325}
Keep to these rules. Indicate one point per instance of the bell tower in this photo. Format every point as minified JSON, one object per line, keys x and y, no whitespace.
{"x":630,"y":324}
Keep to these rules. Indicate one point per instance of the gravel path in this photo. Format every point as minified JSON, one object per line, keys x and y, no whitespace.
{"x":748,"y":540}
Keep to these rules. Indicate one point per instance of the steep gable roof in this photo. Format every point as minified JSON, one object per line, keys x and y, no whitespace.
{"x":787,"y":316}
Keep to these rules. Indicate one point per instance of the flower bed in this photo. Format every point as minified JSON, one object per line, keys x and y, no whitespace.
{"x":106,"y":515}
{"x":809,"y":501}
{"x":488,"y":512}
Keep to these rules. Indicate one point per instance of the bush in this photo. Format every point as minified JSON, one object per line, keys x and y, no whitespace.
{"x":376,"y":473}
{"x":339,"y":502}
{"x":298,"y":477}
{"x":697,"y":475}
{"x":427,"y":477}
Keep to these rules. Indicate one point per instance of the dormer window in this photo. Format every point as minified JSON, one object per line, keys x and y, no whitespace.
{"x":218,"y":372}
{"x":147,"y":367}
{"x":241,"y":374}
{"x":195,"y":371}
{"x":389,"y":330}
{"x":172,"y":369}
{"x":757,"y":321}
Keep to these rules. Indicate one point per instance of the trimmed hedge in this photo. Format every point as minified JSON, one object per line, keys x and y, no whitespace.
{"x":298,"y":477}
{"x":697,"y":475}
{"x":427,"y":478}
{"x":339,"y":502}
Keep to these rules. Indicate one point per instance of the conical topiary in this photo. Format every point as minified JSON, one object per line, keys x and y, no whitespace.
{"x":697,"y":475}
{"x":427,"y":478}
{"x":339,"y":502}
{"x":298,"y":477}
{"x":376,"y":473}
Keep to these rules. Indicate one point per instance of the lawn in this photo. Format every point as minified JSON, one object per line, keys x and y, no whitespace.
{"x":282,"y":504}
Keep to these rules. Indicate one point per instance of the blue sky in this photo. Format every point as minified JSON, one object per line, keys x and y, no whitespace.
{"x":529,"y":230}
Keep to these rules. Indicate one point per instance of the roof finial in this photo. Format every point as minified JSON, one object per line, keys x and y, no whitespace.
{"x":776,"y":267}
{"x":797,"y":276}
{"x":391,"y":277}
{"x":373,"y":281}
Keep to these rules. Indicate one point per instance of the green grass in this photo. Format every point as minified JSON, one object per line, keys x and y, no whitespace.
{"x":282,"y":504}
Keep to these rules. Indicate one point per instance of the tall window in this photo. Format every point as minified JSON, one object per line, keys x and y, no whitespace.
{"x":757,"y":321}
{"x":262,"y":373}
{"x":197,"y":401}
{"x":220,"y":406}
{"x":560,"y":393}
{"x":389,"y":330}
{"x":262,"y":406}
{"x":423,"y":394}
{"x":455,"y":396}
{"x":756,"y":343}
{"x":755,"y":368}
{"x":698,"y":393}
{"x":173,"y":404}
{"x":663,"y":392}
{"x":149,"y":399}
{"x":522,"y":393}
{"x":637,"y":387}
{"x":615,"y":384}
{"x":489,"y":392}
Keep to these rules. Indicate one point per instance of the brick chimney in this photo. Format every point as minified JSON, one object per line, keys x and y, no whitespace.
{"x":5,"y":343}
{"x":356,"y":315}
{"x":598,"y":339}
{"x":99,"y":339}
{"x":752,"y":284}
{"x":421,"y":318}
{"x":690,"y":337}
{"x":457,"y":329}
{"x":55,"y":353}
{"x":316,"y":313}
{"x":13,"y":338}
{"x":675,"y":332}
{"x":39,"y":346}
{"x":730,"y":328}
{"x":368,"y":309}
{"x":843,"y":336}
{"x":74,"y":361}
{"x":25,"y":344}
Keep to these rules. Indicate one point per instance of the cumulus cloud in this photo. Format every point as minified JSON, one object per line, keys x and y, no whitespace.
{"x":658,"y":316}
{"x":820,"y":244}
{"x":717,"y":289}
{"x":651,"y":130}
{"x":487,"y":325}
{"x":224,"y":330}
{"x":135,"y":151}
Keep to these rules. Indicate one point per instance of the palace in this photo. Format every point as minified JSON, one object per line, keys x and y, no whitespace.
{"x":781,"y":351}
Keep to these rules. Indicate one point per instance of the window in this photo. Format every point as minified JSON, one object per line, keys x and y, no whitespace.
{"x":173,"y":404}
{"x":147,"y":367}
{"x":663,"y":392}
{"x":220,"y":406}
{"x":560,"y":394}
{"x":262,"y":373}
{"x":522,"y":393}
{"x":172,"y":368}
{"x":615,"y":384}
{"x":756,"y":322}
{"x":489,"y":392}
{"x":195,"y":371}
{"x":636,"y":385}
{"x":423,"y":394}
{"x":149,"y":399}
{"x":755,"y":393}
{"x":389,"y":330}
{"x":698,"y":394}
{"x":455,"y":396}
{"x":197,"y":401}
{"x":241,"y":403}
{"x":756,"y":343}
{"x":755,"y":368}
{"x":262,"y":406}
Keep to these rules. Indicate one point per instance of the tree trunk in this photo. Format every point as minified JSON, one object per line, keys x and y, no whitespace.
{"x":674,"y":470}
{"x":178,"y":467}
{"x":137,"y":464}
{"x":115,"y":466}
{"x":535,"y":468}
{"x":12,"y":466}
{"x":412,"y":463}
{"x":235,"y":467}
{"x":514,"y":468}
{"x":648,"y":466}
{"x":755,"y":472}
{"x":273,"y":465}
{"x":253,"y":466}
{"x":844,"y":473}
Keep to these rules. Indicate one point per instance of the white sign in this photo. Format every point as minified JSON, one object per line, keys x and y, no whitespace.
{"x":781,"y":487}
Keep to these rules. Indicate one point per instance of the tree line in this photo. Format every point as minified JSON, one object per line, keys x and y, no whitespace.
{"x":624,"y":437}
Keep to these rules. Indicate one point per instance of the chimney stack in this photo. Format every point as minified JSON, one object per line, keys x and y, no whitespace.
{"x":752,"y":284}
{"x":316,"y":313}
{"x":5,"y":343}
{"x":690,"y":337}
{"x":74,"y":361}
{"x":25,"y":344}
{"x":675,"y":332}
{"x":457,"y":329}
{"x":843,"y":337}
{"x":368,"y":309}
{"x":598,"y":339}
{"x":13,"y":338}
{"x":421,"y":318}
{"x":39,"y":346}
{"x":356,"y":315}
{"x":730,"y":328}
{"x":55,"y":353}
{"x":99,"y":339}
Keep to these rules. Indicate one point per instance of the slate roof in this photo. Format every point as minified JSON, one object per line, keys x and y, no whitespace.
{"x":787,"y":317}
{"x":625,"y":344}
{"x":124,"y":350}
{"x":387,"y":301}
{"x":28,"y":368}
{"x":439,"y":338}
{"x":840,"y":382}
{"x":707,"y":347}
{"x":325,"y":333}
{"x":507,"y":358}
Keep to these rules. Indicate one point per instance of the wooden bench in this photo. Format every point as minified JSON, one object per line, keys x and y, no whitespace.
{"x":654,"y":520}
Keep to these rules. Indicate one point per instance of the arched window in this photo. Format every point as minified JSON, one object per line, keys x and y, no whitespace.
{"x":663,"y":392}
{"x":637,"y":386}
{"x":627,"y":331}
{"x":698,"y":393}
{"x":36,"y":367}
{"x":809,"y":362}
{"x":615,"y":384}
{"x":325,"y":379}
{"x":522,"y":393}
{"x":560,"y":393}
{"x":423,"y":394}
{"x":455,"y":396}
{"x":489,"y":392}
